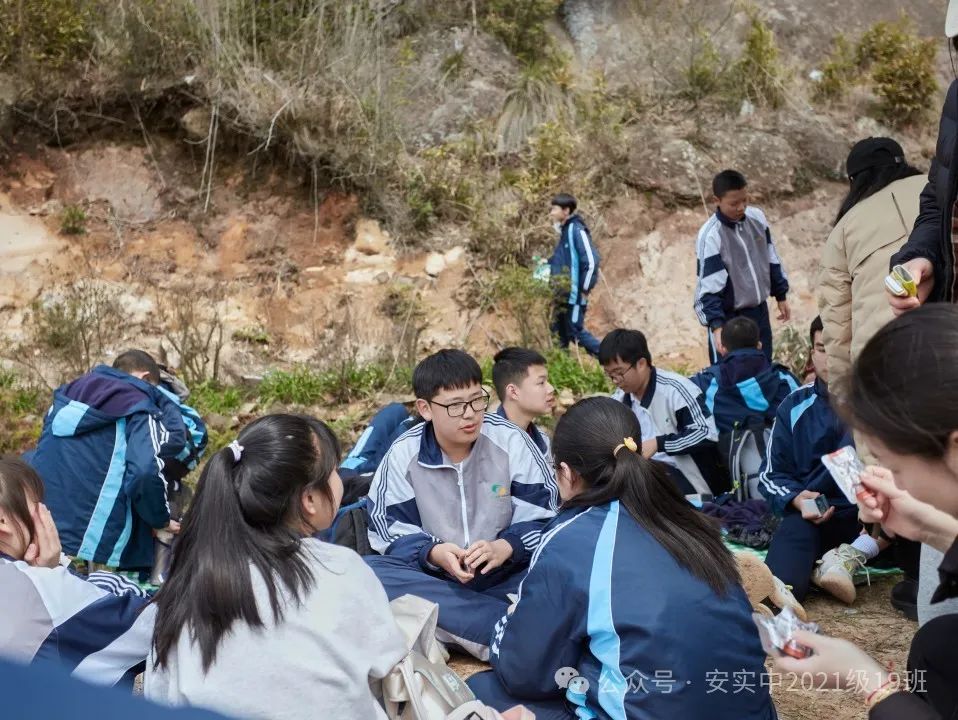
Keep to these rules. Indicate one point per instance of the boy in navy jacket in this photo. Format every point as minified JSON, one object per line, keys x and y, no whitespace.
{"x":806,"y":428}
{"x":575,"y":257}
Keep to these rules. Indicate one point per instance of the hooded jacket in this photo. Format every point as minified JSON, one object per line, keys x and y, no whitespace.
{"x":102,"y":452}
{"x":576,"y":257}
{"x":744,"y":384}
{"x":931,"y":236}
{"x":806,"y":428}
{"x":604,"y":601}
{"x":503,"y":490}
{"x":852,"y":299}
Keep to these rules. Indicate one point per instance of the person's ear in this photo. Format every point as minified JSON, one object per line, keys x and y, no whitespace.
{"x":424,"y":409}
{"x":759,"y":346}
{"x":311,"y":503}
{"x":512,"y":391}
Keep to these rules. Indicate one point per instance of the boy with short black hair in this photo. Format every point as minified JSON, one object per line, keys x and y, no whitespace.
{"x":458,"y":504}
{"x":683,"y":432}
{"x":521,"y":379}
{"x":577,"y":258}
{"x":738,"y":266}
{"x":743,"y":385}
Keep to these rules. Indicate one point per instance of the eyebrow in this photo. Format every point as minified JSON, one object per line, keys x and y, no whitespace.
{"x":462,"y":398}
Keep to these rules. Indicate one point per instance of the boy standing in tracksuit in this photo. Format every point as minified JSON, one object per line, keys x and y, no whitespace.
{"x":806,"y":428}
{"x":738,"y":266}
{"x":575,"y":257}
{"x":457,"y":506}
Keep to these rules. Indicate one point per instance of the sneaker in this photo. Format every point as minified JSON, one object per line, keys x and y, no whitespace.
{"x":835,"y":572}
{"x":904,"y":597}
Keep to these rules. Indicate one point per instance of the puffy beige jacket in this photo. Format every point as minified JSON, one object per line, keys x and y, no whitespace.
{"x":852,"y":300}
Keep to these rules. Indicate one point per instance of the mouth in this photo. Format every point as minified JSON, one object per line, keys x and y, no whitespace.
{"x":469,"y":429}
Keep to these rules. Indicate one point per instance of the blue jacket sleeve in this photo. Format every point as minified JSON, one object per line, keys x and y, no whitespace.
{"x":693,"y":421}
{"x":544,"y":633}
{"x":535,"y":496}
{"x":395,"y":526}
{"x":777,"y":276}
{"x":588,"y":256}
{"x":777,"y":478}
{"x":143,"y":479}
{"x":712,"y":279}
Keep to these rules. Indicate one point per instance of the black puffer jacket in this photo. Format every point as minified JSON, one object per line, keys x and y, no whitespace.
{"x":931,"y":236}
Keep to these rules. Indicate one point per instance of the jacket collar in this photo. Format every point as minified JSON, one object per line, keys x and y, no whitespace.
{"x":649,"y":389}
{"x":741,"y":365}
{"x":534,"y":433}
{"x":726,"y":220}
{"x":430,"y":454}
{"x":821,"y":388}
{"x":573,"y":218}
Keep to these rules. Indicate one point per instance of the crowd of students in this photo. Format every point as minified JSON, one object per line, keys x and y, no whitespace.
{"x":579,"y":566}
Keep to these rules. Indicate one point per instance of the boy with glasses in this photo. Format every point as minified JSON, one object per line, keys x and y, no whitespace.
{"x":458,"y":504}
{"x":677,"y":427}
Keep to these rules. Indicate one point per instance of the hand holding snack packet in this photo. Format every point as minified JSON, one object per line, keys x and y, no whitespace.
{"x":846,"y":469}
{"x":777,"y":634}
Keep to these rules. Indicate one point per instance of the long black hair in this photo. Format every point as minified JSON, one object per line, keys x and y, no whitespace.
{"x":868,"y":182}
{"x":243,"y":515}
{"x":904,"y":384}
{"x":585,"y":439}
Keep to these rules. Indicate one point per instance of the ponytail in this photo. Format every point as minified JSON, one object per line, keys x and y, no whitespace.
{"x":587,"y":438}
{"x":241,"y":518}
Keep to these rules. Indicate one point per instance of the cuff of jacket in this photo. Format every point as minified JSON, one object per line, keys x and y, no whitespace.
{"x":660,"y":443}
{"x":781,"y":297}
{"x":423,"y":556}
{"x":519,"y":552}
{"x":948,"y":574}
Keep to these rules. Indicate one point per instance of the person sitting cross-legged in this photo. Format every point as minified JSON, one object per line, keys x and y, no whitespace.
{"x":458,"y":504}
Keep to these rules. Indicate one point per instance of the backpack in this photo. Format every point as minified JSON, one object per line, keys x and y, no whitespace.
{"x":349,"y":528}
{"x":422,"y":686}
{"x":743,"y":450}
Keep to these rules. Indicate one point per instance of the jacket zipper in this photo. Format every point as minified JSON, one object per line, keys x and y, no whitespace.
{"x":748,"y":259}
{"x":462,"y":506}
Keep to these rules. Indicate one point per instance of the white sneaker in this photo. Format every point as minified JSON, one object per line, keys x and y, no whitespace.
{"x":835,"y":572}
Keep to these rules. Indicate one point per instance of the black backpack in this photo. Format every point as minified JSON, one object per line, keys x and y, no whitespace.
{"x":743,"y":451}
{"x":349,"y":529}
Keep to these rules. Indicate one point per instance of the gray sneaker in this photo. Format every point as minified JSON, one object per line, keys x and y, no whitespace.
{"x":835,"y":572}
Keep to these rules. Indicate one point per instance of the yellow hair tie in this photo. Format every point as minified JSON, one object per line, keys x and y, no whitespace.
{"x":626,"y":443}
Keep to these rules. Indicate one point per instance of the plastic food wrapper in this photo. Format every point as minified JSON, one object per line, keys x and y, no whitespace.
{"x":776,"y":633}
{"x":846,"y":468}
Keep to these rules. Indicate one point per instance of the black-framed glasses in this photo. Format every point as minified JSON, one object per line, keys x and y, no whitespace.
{"x":458,"y":409}
{"x":616,"y":375}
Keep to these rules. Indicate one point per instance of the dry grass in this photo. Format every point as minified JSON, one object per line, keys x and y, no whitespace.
{"x":871,"y":623}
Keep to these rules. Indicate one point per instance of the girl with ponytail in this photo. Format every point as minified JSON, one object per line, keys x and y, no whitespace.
{"x":632,"y":606}
{"x":258,"y":619}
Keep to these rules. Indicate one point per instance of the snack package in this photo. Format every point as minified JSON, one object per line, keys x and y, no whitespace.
{"x":776,"y":633}
{"x":846,"y":468}
{"x":818,"y":505}
{"x":900,"y":282}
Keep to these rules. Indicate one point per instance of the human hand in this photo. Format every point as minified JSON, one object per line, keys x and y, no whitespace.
{"x":44,"y":549}
{"x":717,"y":341}
{"x":784,"y":311}
{"x":835,"y":664}
{"x":491,"y":554}
{"x":813,"y":518}
{"x":173,"y":527}
{"x":449,"y":557}
{"x":650,"y":447}
{"x":902,"y":514}
{"x":923,"y":273}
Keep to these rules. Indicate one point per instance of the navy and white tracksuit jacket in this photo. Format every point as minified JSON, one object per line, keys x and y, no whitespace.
{"x":51,"y":615}
{"x":576,"y":257}
{"x":806,"y":428}
{"x":539,"y":438}
{"x":686,"y":425}
{"x":101,"y":455}
{"x":744,"y":384}
{"x":604,"y":599}
{"x":418,"y":499}
{"x":738,"y":267}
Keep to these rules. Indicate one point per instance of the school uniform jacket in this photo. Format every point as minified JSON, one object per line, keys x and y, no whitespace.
{"x":603,"y":600}
{"x":102,"y":452}
{"x":806,"y":428}
{"x":577,"y":257}
{"x":51,"y":615}
{"x":539,"y":438}
{"x":743,"y":384}
{"x":738,"y":266}
{"x":504,"y":490}
{"x":679,"y":412}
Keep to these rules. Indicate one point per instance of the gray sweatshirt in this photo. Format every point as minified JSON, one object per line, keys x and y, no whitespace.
{"x":316,"y":663}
